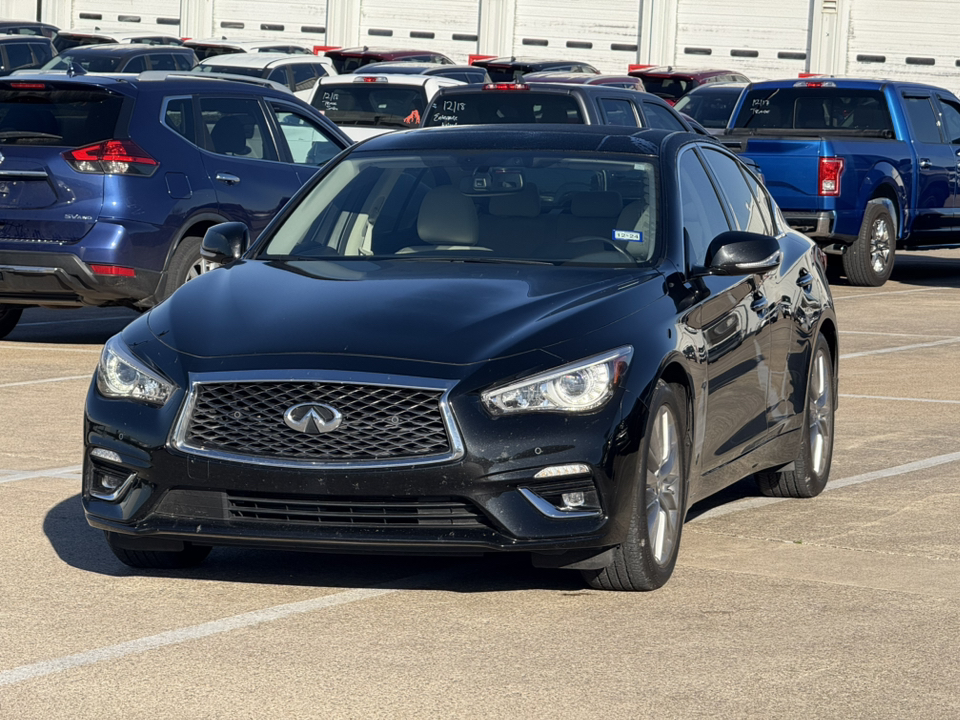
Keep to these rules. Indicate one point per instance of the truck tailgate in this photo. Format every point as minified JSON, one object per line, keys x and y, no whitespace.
{"x":790,"y":167}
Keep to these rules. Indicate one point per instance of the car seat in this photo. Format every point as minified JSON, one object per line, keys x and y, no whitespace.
{"x":229,"y":136}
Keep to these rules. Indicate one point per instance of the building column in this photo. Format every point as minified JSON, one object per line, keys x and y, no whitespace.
{"x":658,"y":32}
{"x":497,"y":23}
{"x":196,"y":19}
{"x":343,"y":22}
{"x":829,"y":24}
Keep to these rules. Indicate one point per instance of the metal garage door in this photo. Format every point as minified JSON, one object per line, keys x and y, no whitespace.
{"x":601,"y":32}
{"x":161,"y":16}
{"x":299,"y":21}
{"x":446,"y":26}
{"x":883,"y":40}
{"x":761,"y":39}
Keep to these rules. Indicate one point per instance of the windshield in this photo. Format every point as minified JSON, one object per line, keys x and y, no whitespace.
{"x":709,"y":108}
{"x":816,"y":109}
{"x":477,"y":206}
{"x":65,"y":41}
{"x":506,"y":106}
{"x":667,"y":87}
{"x":94,"y":64}
{"x":372,"y":103}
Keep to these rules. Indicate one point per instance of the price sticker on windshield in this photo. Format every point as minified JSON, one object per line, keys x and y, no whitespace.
{"x":628,"y":235}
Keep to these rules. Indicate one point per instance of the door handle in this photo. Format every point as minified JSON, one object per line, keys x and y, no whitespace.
{"x":228,"y":178}
{"x":925,"y":163}
{"x":805,"y":280}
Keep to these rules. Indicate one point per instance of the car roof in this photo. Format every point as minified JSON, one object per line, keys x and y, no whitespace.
{"x":393,"y":79}
{"x":547,"y":76}
{"x":528,"y":60}
{"x":728,"y":87}
{"x":577,"y":138}
{"x":125,"y":49}
{"x":560,"y":88}
{"x":23,"y":38}
{"x":262,"y":59}
{"x":412,"y":68}
{"x":684,"y":71}
{"x":184,"y":80}
{"x":845,"y":82}
{"x":367,"y":50}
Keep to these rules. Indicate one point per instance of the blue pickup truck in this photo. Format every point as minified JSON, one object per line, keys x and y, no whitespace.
{"x":863,"y":167}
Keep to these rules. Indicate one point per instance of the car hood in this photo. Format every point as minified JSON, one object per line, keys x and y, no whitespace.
{"x":439,"y":312}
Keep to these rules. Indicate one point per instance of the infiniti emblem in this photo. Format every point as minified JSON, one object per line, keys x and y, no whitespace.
{"x":313,"y":418}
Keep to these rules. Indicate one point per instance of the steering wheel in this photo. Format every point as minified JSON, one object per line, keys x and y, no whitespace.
{"x":605,"y":241}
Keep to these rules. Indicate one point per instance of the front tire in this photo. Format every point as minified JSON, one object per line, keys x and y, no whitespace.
{"x":869,"y":260}
{"x":191,"y":555}
{"x":811,"y":469}
{"x":9,"y":317}
{"x":645,"y":560}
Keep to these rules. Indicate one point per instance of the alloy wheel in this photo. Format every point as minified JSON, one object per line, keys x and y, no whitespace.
{"x":198,"y":268}
{"x":879,"y":245}
{"x":820,"y":414}
{"x":662,"y":497}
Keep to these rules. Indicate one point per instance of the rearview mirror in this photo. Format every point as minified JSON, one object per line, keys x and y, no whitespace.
{"x":743,"y":253}
{"x":225,"y":242}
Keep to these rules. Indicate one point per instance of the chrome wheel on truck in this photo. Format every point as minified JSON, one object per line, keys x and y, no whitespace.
{"x":869,"y":260}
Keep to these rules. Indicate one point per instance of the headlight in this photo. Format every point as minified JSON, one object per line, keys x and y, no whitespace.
{"x":120,"y":375}
{"x":578,"y":387}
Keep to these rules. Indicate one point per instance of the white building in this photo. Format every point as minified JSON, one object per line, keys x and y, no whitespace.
{"x":763,"y":39}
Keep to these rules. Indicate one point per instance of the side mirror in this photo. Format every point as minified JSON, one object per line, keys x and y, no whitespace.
{"x":225,"y":242}
{"x":743,"y":253}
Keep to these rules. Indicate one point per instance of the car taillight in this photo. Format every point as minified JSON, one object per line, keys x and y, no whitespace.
{"x":113,"y":270}
{"x":505,"y":86}
{"x":112,"y":157}
{"x":828,"y":178}
{"x":371,"y":78}
{"x":28,"y":86}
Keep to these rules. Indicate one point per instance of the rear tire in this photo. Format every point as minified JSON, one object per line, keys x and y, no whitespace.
{"x":191,"y":556}
{"x":869,"y":260}
{"x":811,"y":469}
{"x":645,"y":560}
{"x":9,"y":317}
{"x":185,"y":265}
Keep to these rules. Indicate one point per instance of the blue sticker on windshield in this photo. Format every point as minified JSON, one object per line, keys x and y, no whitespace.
{"x":628,"y":235}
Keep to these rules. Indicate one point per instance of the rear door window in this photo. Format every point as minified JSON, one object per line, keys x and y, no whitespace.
{"x":18,"y":55}
{"x":236,"y":127}
{"x":278,"y":75}
{"x":492,"y":107}
{"x":163,"y":61}
{"x":926,"y":128}
{"x":54,"y":115}
{"x":136,"y":65}
{"x":304,"y":76}
{"x":618,"y":112}
{"x":950,"y":112}
{"x":182,"y":61}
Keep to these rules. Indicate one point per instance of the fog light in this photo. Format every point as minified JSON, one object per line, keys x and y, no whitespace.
{"x":110,"y":485}
{"x":573,"y":499}
{"x":105,"y":454}
{"x":563,"y":471}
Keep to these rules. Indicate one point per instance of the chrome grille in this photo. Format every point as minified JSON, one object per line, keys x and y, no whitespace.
{"x":354,"y":512}
{"x":379,"y":422}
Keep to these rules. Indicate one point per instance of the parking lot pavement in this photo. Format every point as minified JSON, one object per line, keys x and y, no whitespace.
{"x":847,"y":605}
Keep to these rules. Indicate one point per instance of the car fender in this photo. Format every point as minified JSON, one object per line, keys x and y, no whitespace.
{"x":884,"y":176}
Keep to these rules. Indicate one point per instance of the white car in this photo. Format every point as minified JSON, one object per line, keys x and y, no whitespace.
{"x":210,"y":47}
{"x":368,"y":105}
{"x":66,"y":39}
{"x":299,"y":73}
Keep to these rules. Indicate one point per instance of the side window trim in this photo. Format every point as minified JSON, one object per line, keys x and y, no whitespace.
{"x":717,"y":188}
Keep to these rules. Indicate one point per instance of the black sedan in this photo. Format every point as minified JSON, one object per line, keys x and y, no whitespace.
{"x":468,"y":340}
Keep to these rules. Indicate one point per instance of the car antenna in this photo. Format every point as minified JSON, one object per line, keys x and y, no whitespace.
{"x":74,"y":69}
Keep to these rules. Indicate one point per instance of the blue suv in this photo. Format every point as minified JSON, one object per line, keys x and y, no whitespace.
{"x":107,"y":184}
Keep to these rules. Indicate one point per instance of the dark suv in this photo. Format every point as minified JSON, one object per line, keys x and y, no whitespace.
{"x":124,"y":58}
{"x":21,"y":52}
{"x":108,"y":183}
{"x":672,"y":83}
{"x":512,"y":69}
{"x":347,"y":60}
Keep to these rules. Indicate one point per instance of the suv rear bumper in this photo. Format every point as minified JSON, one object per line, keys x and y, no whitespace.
{"x":813,"y":224}
{"x":61,"y":278}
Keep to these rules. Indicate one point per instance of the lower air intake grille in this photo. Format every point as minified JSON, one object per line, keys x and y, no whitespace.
{"x":352,"y":512}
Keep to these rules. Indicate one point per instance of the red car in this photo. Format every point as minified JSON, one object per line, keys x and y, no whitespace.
{"x":672,"y":83}
{"x":620,"y":81}
{"x":346,"y":60}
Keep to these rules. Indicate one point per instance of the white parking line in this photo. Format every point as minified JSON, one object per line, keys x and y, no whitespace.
{"x":883,"y":294}
{"x":901,"y":399}
{"x":900,"y":348}
{"x":46,"y":348}
{"x":68,"y":320}
{"x":755,"y":502}
{"x":890,"y":334}
{"x":46,"y":380}
{"x":214,"y":627}
{"x":69,"y":472}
